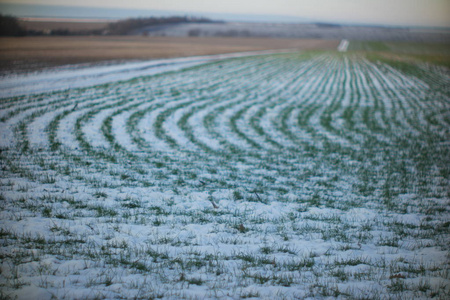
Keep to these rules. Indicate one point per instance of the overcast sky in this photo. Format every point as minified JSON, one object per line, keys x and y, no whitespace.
{"x":388,"y":12}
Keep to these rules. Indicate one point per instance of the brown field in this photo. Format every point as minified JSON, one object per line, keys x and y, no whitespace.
{"x":30,"y":53}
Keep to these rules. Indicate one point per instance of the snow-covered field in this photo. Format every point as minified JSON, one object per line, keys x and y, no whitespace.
{"x":282,"y":176}
{"x":78,"y":75}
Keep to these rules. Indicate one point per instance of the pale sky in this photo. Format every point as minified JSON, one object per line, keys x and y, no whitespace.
{"x":389,"y":12}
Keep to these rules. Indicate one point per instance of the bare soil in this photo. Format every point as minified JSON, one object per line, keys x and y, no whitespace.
{"x":31,"y":53}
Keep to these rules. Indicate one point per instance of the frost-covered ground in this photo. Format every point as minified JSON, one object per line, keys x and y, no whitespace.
{"x":305,"y":175}
{"x":78,"y":75}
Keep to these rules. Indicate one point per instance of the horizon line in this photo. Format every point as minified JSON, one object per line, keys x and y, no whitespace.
{"x":226,"y":17}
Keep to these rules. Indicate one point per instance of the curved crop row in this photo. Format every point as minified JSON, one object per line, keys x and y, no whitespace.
{"x":289,"y":175}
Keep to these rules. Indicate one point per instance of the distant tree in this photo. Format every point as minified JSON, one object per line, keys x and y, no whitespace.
{"x":9,"y":26}
{"x":195,"y":32}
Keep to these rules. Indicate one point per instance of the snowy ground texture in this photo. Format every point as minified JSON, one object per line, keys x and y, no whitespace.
{"x":284,"y":176}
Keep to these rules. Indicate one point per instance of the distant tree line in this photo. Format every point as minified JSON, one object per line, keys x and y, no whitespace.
{"x":128,"y":25}
{"x":9,"y":26}
{"x":64,"y":32}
